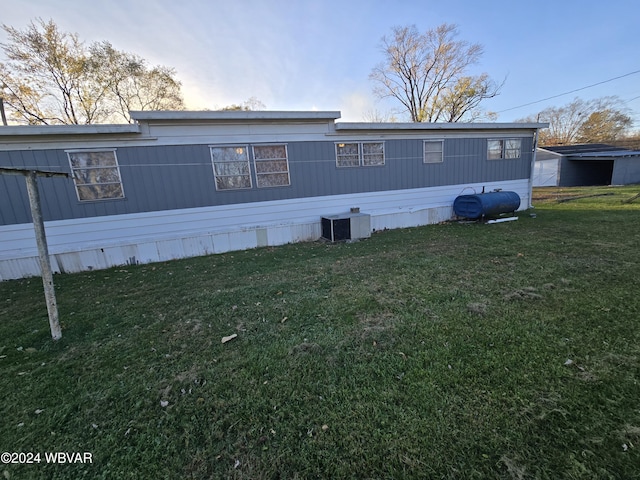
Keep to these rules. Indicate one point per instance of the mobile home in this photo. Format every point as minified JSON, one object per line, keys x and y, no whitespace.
{"x":180,"y":184}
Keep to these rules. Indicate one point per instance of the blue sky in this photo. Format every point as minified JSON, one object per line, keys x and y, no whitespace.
{"x":303,"y":54}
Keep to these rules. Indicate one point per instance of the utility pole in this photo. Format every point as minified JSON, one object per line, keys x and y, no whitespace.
{"x":31,"y":177}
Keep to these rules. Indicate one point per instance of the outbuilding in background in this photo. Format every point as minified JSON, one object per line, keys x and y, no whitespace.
{"x":586,"y":165}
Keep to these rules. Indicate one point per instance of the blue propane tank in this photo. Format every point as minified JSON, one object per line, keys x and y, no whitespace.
{"x":486,"y":204}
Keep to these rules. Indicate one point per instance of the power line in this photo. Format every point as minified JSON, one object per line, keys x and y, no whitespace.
{"x":572,"y":91}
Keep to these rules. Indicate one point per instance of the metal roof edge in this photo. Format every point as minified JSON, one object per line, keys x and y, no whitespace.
{"x":235,"y":115}
{"x":90,"y":129}
{"x":437,"y":126}
{"x":610,"y":154}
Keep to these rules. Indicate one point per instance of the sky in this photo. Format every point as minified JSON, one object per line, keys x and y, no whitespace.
{"x":318,"y":54}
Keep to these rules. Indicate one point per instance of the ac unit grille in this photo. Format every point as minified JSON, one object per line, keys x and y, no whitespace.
{"x":350,"y":226}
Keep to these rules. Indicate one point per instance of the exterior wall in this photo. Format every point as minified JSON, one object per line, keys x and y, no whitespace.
{"x":167,"y":177}
{"x":546,"y":173}
{"x":626,"y":171}
{"x":171,"y":208}
{"x":111,"y":240}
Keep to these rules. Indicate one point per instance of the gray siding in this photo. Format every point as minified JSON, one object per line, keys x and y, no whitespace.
{"x":626,"y":171}
{"x":174,"y":177}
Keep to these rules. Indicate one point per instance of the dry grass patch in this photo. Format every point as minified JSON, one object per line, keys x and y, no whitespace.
{"x":515,"y":470}
{"x":526,"y":293}
{"x":478,"y":308}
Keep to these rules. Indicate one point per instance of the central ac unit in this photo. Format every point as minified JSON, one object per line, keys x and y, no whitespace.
{"x":347,"y":226}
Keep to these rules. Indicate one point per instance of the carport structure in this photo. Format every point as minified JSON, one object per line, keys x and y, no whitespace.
{"x":589,"y":164}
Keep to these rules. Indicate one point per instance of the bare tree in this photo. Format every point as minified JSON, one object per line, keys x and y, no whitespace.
{"x":600,"y":120}
{"x":251,"y":104}
{"x":564,"y":122}
{"x":427,"y":74}
{"x":131,"y":84}
{"x":604,"y":126}
{"x":50,"y":77}
{"x":462,"y":102}
{"x":44,"y":80}
{"x":375,"y":116}
{"x":630,"y":141}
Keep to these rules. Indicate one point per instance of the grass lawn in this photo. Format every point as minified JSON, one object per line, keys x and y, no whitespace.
{"x":459,"y":350}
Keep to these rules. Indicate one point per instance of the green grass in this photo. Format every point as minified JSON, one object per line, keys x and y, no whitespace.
{"x":434,"y":352}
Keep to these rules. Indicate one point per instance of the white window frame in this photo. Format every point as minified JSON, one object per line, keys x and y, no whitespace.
{"x":216,"y":175}
{"x":510,"y":148}
{"x":257,"y":161}
{"x":424,"y":151}
{"x":79,"y":186}
{"x":361,"y":155}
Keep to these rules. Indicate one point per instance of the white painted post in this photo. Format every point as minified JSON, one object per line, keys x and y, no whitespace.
{"x":43,"y":252}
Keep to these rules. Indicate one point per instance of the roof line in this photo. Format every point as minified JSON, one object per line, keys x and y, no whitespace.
{"x":437,"y":126}
{"x":88,"y":129}
{"x":185,"y":115}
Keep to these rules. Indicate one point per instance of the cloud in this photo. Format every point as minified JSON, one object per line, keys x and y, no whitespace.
{"x":360,"y":105}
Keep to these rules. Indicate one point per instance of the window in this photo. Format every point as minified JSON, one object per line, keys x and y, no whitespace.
{"x":348,"y":154}
{"x":508,"y":148}
{"x":96,"y":175}
{"x":272,"y":166}
{"x":433,"y":151}
{"x":356,"y":154}
{"x":495,"y":149}
{"x":512,"y":148}
{"x":372,"y":154}
{"x":231,"y":167}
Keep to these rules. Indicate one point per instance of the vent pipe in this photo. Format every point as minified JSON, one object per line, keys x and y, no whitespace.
{"x":4,"y":117}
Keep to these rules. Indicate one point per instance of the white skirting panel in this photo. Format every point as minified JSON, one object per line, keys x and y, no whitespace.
{"x":103,"y":242}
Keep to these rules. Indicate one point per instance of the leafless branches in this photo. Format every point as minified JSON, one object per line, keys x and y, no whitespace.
{"x":580,"y":121}
{"x":426,"y":74}
{"x":51,"y":77}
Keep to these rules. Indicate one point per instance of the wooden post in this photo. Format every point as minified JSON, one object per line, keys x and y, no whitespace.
{"x":43,"y":252}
